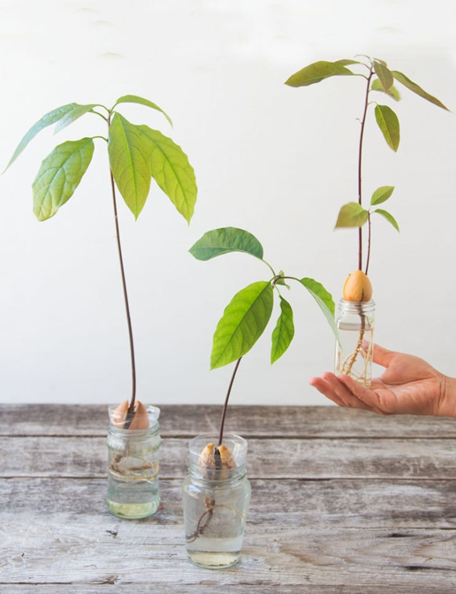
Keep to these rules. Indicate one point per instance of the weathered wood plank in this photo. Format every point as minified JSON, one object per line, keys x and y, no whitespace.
{"x":273,"y":458}
{"x":394,"y":506}
{"x":249,"y":421}
{"x":147,"y":553}
{"x":209,"y":586}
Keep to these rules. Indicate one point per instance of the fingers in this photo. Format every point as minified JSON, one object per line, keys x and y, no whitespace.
{"x":368,"y":397}
{"x":336,"y":390}
{"x":382,"y":356}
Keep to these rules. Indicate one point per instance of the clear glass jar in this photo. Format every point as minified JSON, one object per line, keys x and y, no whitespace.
{"x":133,"y":467}
{"x":355,"y":322}
{"x":215,"y":505}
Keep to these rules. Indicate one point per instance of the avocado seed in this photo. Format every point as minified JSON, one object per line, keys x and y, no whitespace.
{"x":357,"y":287}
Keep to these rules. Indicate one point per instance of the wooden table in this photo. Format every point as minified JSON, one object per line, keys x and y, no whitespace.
{"x":342,"y":501}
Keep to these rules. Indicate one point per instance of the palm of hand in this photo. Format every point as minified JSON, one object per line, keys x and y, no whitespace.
{"x":409,"y":385}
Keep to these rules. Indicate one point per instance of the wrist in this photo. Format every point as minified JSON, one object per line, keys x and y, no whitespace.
{"x":447,"y":404}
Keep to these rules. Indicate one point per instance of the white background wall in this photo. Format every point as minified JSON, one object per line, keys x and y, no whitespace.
{"x":274,"y":160}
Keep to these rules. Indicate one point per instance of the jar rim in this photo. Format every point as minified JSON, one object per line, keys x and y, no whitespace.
{"x":237,"y":444}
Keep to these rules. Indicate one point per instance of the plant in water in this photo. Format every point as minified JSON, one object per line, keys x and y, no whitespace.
{"x":137,"y":153}
{"x":243,"y":322}
{"x":379,"y":78}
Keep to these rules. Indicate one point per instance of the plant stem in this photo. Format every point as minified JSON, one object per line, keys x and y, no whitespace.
{"x":225,"y":406}
{"x":125,"y":293}
{"x":369,"y":238}
{"x":360,"y":158}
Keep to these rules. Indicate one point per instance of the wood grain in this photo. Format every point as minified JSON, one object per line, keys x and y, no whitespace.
{"x":275,"y":458}
{"x":342,"y":502}
{"x":249,"y":421}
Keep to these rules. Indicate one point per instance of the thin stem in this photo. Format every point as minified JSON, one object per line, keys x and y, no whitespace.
{"x":225,"y":406}
{"x":369,"y":239}
{"x":125,"y":293}
{"x":360,"y":158}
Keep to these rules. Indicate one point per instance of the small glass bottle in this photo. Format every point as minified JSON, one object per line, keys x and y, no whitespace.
{"x":215,"y":505}
{"x":133,"y":467}
{"x":355,"y":322}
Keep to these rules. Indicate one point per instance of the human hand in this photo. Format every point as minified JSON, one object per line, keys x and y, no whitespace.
{"x":408,"y":385}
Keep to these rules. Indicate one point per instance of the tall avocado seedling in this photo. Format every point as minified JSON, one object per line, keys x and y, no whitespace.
{"x":137,"y":154}
{"x":379,"y":80}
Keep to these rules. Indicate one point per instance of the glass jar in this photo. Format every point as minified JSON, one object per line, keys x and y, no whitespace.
{"x":355,"y":322}
{"x":133,"y":467}
{"x":215,"y":505}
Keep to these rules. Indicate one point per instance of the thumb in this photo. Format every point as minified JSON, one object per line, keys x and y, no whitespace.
{"x":382,"y":356}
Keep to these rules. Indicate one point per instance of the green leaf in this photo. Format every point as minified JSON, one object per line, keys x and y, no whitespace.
{"x":172,"y":171}
{"x":283,"y":332}
{"x":391,"y":92}
{"x":389,"y":217}
{"x":324,"y":300}
{"x":59,"y":176}
{"x":417,"y":89}
{"x":316,"y":72}
{"x":141,"y":101}
{"x":384,"y":74}
{"x":352,"y":215}
{"x":226,"y":240}
{"x":347,"y":62}
{"x":242,"y":323}
{"x":381,"y":195}
{"x":73,"y":114}
{"x":47,"y":120}
{"x":129,"y":157}
{"x":389,"y":125}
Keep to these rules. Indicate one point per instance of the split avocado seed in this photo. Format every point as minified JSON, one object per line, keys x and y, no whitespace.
{"x":217,"y":458}
{"x":139,"y":417}
{"x":357,"y":287}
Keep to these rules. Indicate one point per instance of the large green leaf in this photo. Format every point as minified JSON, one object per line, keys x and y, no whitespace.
{"x":389,"y":125}
{"x":172,"y":171}
{"x":352,"y":215}
{"x":417,"y":89}
{"x":141,"y":101}
{"x":381,"y":195}
{"x":324,"y":300}
{"x":283,"y":332}
{"x":391,"y":92}
{"x":129,"y":157}
{"x":389,"y":217}
{"x":316,"y":72}
{"x":47,"y":120}
{"x":59,"y":176}
{"x":226,"y":240}
{"x":384,"y":74}
{"x":73,"y":114}
{"x":242,"y":323}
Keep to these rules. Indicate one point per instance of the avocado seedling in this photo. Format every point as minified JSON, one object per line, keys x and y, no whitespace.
{"x":357,"y":293}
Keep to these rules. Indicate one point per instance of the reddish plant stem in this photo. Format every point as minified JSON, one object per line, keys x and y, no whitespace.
{"x":125,"y":293}
{"x":369,"y":239}
{"x":225,"y":406}
{"x":360,"y":159}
